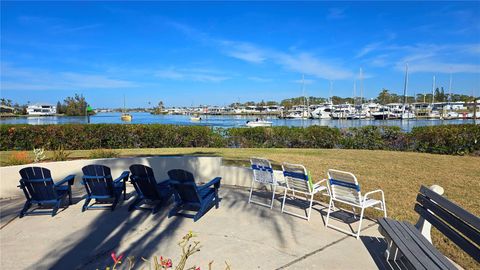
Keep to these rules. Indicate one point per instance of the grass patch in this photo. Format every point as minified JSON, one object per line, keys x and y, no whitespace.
{"x":399,"y":174}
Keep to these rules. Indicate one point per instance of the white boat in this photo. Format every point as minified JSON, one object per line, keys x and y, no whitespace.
{"x":195,"y":118}
{"x":342,"y":111}
{"x":125,"y":116}
{"x":407,"y":115}
{"x":323,"y":111}
{"x":41,"y":109}
{"x":452,"y":115}
{"x":385,"y":113}
{"x":259,"y":123}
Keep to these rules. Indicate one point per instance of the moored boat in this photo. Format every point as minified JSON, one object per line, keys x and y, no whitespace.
{"x":258,"y":123}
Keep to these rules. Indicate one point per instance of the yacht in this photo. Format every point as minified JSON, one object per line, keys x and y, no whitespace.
{"x":41,"y":109}
{"x":385,"y":113}
{"x":342,"y":111}
{"x":322,"y":111}
{"x":258,"y":123}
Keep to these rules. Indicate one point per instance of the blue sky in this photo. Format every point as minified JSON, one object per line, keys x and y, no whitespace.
{"x":218,"y":53}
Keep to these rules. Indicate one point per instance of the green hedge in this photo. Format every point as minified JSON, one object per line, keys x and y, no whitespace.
{"x":79,"y":136}
{"x":445,"y":139}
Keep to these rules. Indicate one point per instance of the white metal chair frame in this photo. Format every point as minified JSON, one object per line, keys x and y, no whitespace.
{"x":348,"y":192}
{"x":297,"y":182}
{"x":262,"y":174}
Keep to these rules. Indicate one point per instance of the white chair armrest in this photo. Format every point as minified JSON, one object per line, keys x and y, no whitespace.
{"x":372,"y":192}
{"x":317,"y":185}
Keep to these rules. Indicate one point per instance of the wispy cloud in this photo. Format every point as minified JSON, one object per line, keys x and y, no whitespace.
{"x":424,"y":57}
{"x":195,"y":74}
{"x":54,"y":25}
{"x":368,"y":48}
{"x":259,"y":79}
{"x":244,"y":51}
{"x":336,"y":13}
{"x":302,"y":62}
{"x":305,"y":81}
{"x":14,"y":78}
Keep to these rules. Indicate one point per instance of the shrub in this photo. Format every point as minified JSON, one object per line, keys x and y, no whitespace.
{"x":104,"y":153}
{"x":293,"y":137}
{"x":38,"y":154}
{"x":446,"y":139}
{"x":19,"y":158}
{"x":374,"y":138}
{"x":111,"y":136}
{"x":60,"y":154}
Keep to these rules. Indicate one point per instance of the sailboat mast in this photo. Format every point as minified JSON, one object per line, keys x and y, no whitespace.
{"x":433,"y":91}
{"x":405,"y":87}
{"x":361,"y":86}
{"x":330,"y":91}
{"x":450,"y":88}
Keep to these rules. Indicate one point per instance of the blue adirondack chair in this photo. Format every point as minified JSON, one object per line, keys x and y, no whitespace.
{"x":39,"y":188}
{"x":148,"y":190}
{"x":190,"y":197}
{"x":100,"y":186}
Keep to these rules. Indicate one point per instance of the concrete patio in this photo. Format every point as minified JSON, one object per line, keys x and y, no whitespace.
{"x":247,"y":236}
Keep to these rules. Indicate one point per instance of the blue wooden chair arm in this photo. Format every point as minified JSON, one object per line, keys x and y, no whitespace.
{"x":215,"y":182}
{"x":123,"y":176}
{"x":70,"y":179}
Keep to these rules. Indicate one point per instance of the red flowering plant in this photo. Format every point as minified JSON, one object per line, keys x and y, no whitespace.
{"x":188,"y":249}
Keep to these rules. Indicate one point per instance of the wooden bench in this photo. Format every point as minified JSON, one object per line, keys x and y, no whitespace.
{"x":411,"y":245}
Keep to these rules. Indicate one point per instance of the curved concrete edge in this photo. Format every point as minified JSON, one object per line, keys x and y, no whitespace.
{"x":203,"y":168}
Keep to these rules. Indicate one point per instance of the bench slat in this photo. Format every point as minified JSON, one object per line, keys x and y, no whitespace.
{"x":428,"y":248}
{"x":468,"y":247}
{"x":470,"y":233}
{"x":469,"y":218}
{"x":400,"y":242}
{"x":414,"y":247}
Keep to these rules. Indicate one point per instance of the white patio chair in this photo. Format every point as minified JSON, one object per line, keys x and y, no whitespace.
{"x":344,"y":188}
{"x":262,"y":174}
{"x":296,"y":181}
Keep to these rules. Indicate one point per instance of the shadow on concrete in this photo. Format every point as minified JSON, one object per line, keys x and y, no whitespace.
{"x":376,"y":247}
{"x":92,"y":246}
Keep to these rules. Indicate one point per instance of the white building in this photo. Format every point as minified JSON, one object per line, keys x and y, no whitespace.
{"x":41,"y":109}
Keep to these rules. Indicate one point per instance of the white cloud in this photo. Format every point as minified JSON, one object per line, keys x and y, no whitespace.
{"x":14,"y":78}
{"x":193,"y":74}
{"x":305,"y":81}
{"x":300,"y":62}
{"x":308,"y":64}
{"x":440,"y":67}
{"x":368,"y":48}
{"x":244,"y":51}
{"x":259,"y":79}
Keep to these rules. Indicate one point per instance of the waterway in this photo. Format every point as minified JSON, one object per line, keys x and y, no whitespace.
{"x":224,"y":121}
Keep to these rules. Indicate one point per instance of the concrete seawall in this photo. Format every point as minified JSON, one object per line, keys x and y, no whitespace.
{"x":203,"y":168}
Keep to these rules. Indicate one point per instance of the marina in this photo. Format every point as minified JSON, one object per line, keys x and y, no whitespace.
{"x":227,"y":121}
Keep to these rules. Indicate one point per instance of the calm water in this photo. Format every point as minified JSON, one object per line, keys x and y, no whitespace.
{"x":222,"y":121}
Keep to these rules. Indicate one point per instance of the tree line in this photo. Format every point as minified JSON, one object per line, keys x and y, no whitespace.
{"x":71,"y":106}
{"x":384,"y":97}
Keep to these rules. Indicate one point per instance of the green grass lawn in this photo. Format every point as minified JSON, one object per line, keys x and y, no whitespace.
{"x":399,"y":174}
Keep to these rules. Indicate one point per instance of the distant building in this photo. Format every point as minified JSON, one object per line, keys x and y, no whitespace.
{"x":41,"y":109}
{"x":7,"y":109}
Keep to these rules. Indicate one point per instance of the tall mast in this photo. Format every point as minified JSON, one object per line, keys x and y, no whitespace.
{"x":124,"y":109}
{"x":450,"y":88}
{"x":330,"y":91}
{"x":433,"y":90}
{"x":361,"y":86}
{"x":405,"y":87}
{"x":354,"y":92}
{"x":303,"y":92}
